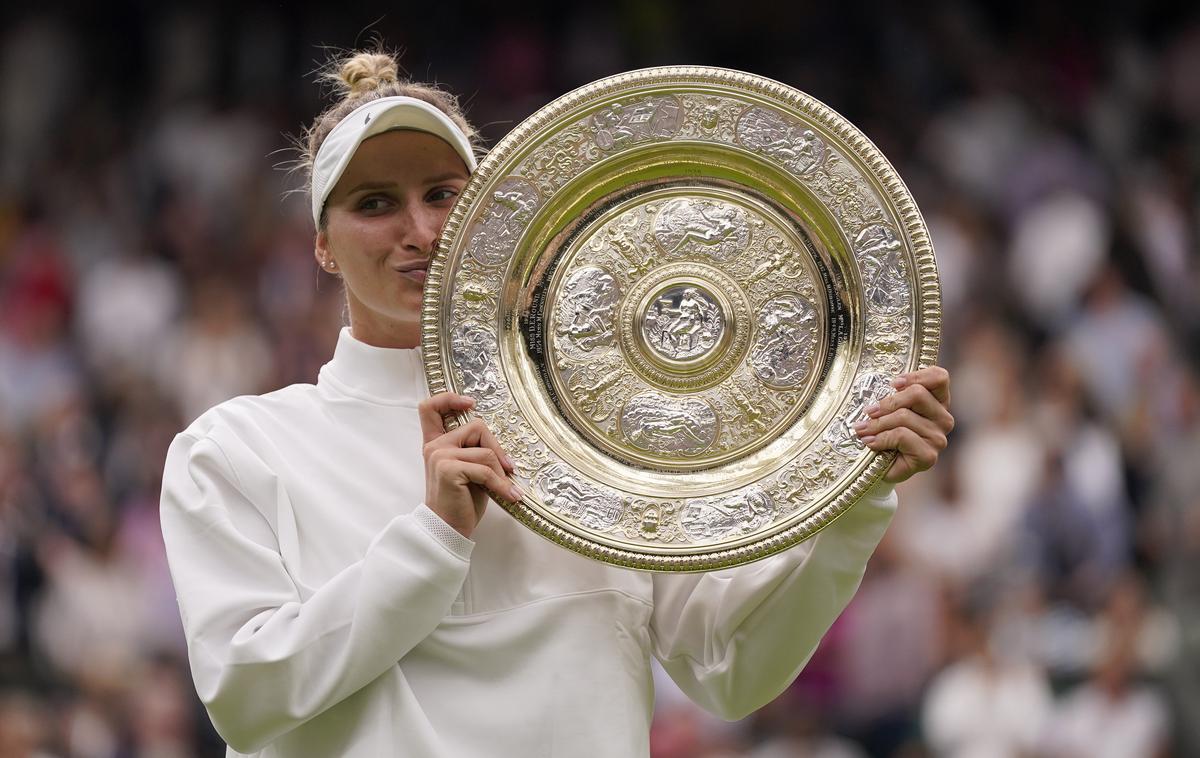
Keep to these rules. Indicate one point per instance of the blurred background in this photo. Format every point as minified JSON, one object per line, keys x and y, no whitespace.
{"x":1039,"y":592}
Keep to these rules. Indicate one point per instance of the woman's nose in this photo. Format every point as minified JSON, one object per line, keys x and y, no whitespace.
{"x":419,"y":229}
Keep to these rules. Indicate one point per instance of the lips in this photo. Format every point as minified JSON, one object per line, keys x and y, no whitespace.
{"x":414,"y":270}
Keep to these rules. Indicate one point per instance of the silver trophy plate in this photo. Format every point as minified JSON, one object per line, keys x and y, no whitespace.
{"x":672,"y":293}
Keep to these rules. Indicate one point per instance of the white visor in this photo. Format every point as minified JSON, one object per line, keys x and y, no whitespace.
{"x":373,"y":118}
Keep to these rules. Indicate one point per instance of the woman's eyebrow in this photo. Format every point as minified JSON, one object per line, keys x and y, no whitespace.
{"x":378,"y":185}
{"x":447,"y":176}
{"x":371,"y":186}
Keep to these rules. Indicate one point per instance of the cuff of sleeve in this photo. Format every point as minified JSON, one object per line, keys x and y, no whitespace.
{"x":880,"y":490}
{"x":445,"y":534}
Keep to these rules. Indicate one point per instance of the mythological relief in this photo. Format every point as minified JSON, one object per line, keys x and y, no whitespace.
{"x":787,"y":341}
{"x":568,"y":494}
{"x":815,"y":163}
{"x":683,"y":322}
{"x":684,"y":426}
{"x":868,"y":388}
{"x":714,"y":518}
{"x":751,"y":411}
{"x":766,"y":131}
{"x":584,"y":315}
{"x":474,"y":352}
{"x":709,"y":227}
{"x":779,"y":261}
{"x":880,"y":255}
{"x":499,"y":227}
{"x":625,"y":124}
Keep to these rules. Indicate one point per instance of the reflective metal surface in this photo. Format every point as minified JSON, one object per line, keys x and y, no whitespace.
{"x":672,"y":294}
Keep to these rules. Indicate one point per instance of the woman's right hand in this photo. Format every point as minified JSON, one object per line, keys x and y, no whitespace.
{"x":462,"y":464}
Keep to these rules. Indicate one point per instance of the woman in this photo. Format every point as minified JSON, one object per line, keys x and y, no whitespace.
{"x":343,"y":586}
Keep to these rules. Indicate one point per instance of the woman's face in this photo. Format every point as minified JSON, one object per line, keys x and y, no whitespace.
{"x":382,"y":221}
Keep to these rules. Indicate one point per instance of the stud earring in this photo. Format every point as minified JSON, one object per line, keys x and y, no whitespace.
{"x":330,"y":264}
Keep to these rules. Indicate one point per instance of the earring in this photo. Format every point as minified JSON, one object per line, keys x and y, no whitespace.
{"x":330,"y":264}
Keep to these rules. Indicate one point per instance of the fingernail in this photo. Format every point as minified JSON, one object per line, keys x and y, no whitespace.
{"x":899,"y":381}
{"x":508,"y":463}
{"x":868,"y":439}
{"x":872,"y":409}
{"x":860,"y":426}
{"x":515,"y":493}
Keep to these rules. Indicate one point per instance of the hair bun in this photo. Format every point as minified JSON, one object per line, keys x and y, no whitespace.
{"x":365,"y":72}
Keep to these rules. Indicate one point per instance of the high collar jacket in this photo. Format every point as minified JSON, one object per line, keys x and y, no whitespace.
{"x":329,"y":612}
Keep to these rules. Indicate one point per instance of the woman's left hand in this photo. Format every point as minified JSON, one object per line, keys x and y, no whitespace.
{"x":913,"y":421}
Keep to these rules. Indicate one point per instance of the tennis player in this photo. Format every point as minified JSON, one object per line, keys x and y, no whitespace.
{"x":345,"y":589}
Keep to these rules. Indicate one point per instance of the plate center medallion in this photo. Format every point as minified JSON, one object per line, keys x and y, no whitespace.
{"x":682,"y":324}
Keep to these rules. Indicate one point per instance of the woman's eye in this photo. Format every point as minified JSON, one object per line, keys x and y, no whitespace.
{"x":373,"y":203}
{"x":443,"y":193}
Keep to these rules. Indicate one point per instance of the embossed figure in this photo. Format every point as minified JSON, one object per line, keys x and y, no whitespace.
{"x":589,"y":394}
{"x":623,"y":125}
{"x":518,"y":204}
{"x":494,"y":235}
{"x":780,"y":259}
{"x":585,"y":312}
{"x":783,"y":352}
{"x":880,"y":255}
{"x":750,"y":413}
{"x":690,"y":317}
{"x":687,"y":426}
{"x":473,"y":351}
{"x":347,"y":585}
{"x":716,"y":518}
{"x":574,"y":499}
{"x":781,"y":137}
{"x":714,"y":228}
{"x":683,"y":323}
{"x":707,"y":227}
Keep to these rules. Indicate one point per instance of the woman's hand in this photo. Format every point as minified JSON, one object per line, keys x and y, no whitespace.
{"x":913,"y":421}
{"x":461,"y":465}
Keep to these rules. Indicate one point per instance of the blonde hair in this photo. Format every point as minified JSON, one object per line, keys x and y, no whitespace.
{"x":361,"y":77}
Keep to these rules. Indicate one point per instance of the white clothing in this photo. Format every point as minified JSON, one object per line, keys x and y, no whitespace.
{"x":1092,"y":723}
{"x":973,"y":710}
{"x":330,"y":613}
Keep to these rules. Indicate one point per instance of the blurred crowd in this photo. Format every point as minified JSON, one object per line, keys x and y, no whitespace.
{"x":1038,"y":593}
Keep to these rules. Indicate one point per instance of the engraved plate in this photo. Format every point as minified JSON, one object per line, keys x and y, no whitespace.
{"x":672,"y":294}
{"x":682,"y":426}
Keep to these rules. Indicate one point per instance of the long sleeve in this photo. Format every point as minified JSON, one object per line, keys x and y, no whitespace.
{"x":734,"y":639}
{"x":266,"y":655}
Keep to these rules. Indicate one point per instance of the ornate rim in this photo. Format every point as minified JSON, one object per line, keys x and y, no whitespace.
{"x":858,"y":146}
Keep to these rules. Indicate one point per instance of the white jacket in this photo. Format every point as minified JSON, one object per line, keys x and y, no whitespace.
{"x":330,"y":613}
